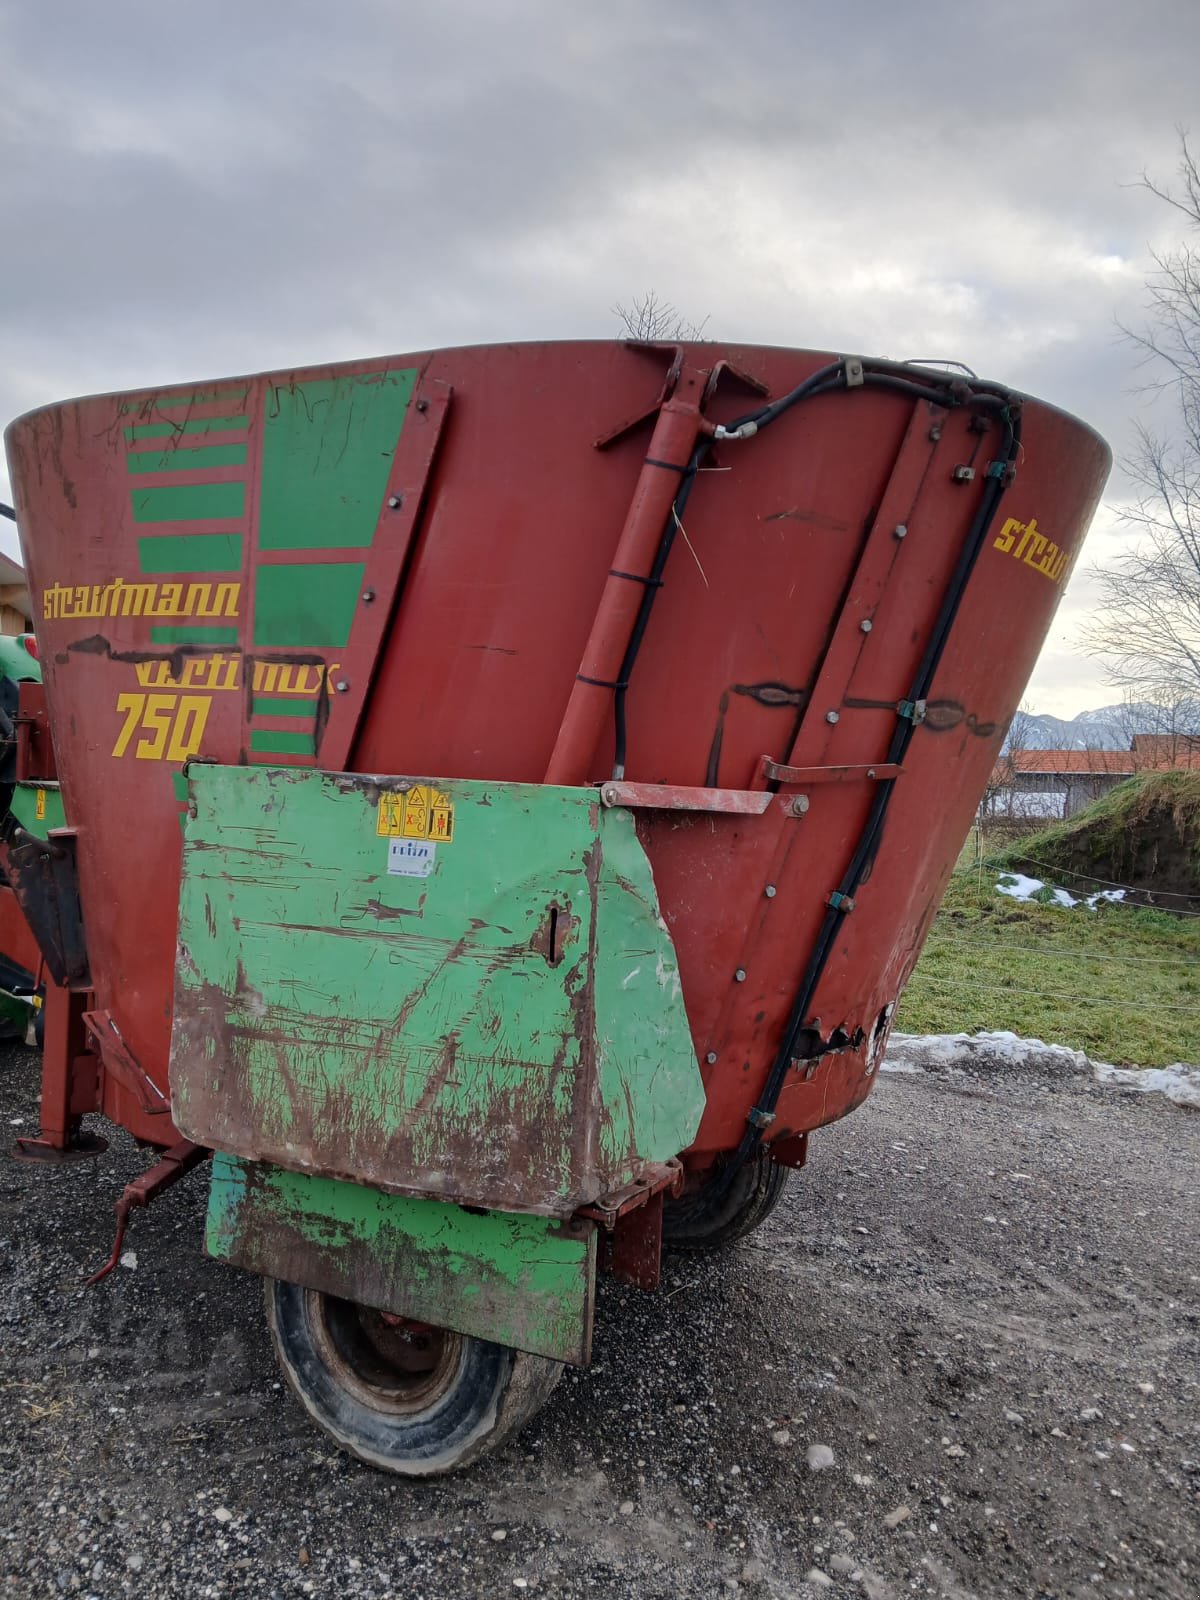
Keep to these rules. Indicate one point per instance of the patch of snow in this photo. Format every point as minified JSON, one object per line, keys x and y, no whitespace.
{"x":910,"y":1053}
{"x":1018,"y":887}
{"x":1179,"y":1083}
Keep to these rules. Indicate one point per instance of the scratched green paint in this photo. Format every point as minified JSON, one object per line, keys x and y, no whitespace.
{"x":327,"y":453}
{"x":267,"y":741}
{"x":198,"y":635}
{"x":520,"y":1280}
{"x":412,"y":1030}
{"x":190,"y":552}
{"x":307,"y":605}
{"x":283,"y":705}
{"x":184,"y":458}
{"x":24,"y":808}
{"x":198,"y":397}
{"x":189,"y":502}
{"x":168,"y":430}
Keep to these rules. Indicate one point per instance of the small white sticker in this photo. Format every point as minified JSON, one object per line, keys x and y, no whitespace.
{"x":411,"y":858}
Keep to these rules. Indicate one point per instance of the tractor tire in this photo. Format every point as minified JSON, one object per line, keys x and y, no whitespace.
{"x":748,"y":1202}
{"x":403,"y":1396}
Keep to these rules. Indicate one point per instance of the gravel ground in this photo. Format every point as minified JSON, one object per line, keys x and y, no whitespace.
{"x":982,"y":1299}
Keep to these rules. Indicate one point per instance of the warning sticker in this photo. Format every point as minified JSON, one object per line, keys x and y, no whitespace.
{"x":411,"y":858}
{"x":422,"y":812}
{"x":39,"y":805}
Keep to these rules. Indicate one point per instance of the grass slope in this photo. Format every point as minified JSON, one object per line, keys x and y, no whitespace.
{"x":1120,"y":982}
{"x":1144,"y":832}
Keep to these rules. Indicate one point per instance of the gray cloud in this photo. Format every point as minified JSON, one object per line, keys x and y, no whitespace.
{"x":190,"y":192}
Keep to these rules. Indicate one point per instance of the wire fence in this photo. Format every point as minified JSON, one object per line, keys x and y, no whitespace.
{"x":1171,"y":974}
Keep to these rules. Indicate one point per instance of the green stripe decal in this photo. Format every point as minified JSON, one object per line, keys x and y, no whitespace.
{"x":327,"y":453}
{"x":283,"y":706}
{"x":266,"y":742}
{"x":307,"y":605}
{"x":234,"y":398}
{"x":191,"y":552}
{"x":213,"y":636}
{"x":165,"y":430}
{"x":184,"y":459}
{"x":192,"y":502}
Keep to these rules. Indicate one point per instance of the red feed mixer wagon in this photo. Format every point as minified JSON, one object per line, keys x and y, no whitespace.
{"x":506,"y":791}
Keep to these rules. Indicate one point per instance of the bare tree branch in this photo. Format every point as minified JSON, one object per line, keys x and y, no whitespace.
{"x":1147,"y":625}
{"x":647,"y":320}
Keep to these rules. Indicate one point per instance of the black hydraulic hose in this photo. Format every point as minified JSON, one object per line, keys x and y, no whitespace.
{"x":650,"y":589}
{"x":7,"y":511}
{"x":763,"y":1112}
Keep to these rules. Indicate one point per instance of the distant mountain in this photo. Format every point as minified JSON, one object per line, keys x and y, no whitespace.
{"x":1106,"y":728}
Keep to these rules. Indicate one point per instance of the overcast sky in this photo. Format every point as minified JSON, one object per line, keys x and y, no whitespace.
{"x":193,"y":191}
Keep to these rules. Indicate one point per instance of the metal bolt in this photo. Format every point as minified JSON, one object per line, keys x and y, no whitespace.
{"x":341,"y":686}
{"x":870,"y":772}
{"x":900,"y":531}
{"x":740,"y":975}
{"x":395,"y":501}
{"x":608,"y":794}
{"x":368,"y":595}
{"x":769,"y":891}
{"x":832,"y":716}
{"x":963,"y":474}
{"x":711,"y":1058}
{"x":799,"y":805}
{"x":422,"y":405}
{"x":866,"y":624}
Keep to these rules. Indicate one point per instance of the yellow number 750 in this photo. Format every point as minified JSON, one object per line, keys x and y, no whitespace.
{"x":172,"y":726}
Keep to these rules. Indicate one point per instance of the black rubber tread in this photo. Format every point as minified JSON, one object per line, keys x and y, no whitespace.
{"x":495,"y":1392}
{"x":749,"y":1201}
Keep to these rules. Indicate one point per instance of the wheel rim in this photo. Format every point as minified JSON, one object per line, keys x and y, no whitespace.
{"x":392,"y":1364}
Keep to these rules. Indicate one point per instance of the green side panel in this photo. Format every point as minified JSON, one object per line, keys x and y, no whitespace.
{"x":185,"y":459}
{"x":16,"y":662}
{"x":30,"y":798}
{"x":327,"y":453}
{"x":306,"y":605}
{"x":490,"y":1014}
{"x":195,"y":552}
{"x":282,"y":705}
{"x":198,"y":635}
{"x":522,"y":1281}
{"x":189,"y":502}
{"x":167,"y":430}
{"x":267,"y":741}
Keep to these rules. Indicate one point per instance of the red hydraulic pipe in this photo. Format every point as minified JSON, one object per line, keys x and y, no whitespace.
{"x":675,"y":433}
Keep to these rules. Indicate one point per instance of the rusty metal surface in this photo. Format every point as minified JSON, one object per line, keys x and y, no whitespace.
{"x":632,"y":1253}
{"x":176,"y":1163}
{"x":488,"y":1013}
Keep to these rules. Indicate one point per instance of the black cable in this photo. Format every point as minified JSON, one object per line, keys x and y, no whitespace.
{"x":7,"y":511}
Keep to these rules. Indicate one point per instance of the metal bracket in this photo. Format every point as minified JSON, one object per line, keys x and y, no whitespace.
{"x":175,"y":1164}
{"x":120,"y":1063}
{"x":778,"y":772}
{"x":44,"y":877}
{"x":674,"y":797}
{"x":663,"y":1177}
